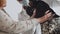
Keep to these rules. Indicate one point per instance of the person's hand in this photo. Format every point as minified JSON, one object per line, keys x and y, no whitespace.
{"x":45,"y":17}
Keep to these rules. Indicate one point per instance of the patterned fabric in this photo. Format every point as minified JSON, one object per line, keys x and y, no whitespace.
{"x":50,"y":27}
{"x":10,"y":26}
{"x":47,"y":28}
{"x":54,"y":26}
{"x":23,"y":17}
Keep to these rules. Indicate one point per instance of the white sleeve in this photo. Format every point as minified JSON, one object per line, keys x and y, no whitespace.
{"x":23,"y":16}
{"x":38,"y":29}
{"x":9,"y":25}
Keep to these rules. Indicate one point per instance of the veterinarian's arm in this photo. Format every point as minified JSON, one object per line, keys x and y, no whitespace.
{"x":23,"y":15}
{"x":11,"y":26}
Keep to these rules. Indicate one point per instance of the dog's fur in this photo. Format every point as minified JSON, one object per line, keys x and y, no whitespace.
{"x":41,"y":7}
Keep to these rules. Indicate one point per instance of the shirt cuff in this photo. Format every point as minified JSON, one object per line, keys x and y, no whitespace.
{"x":35,"y":22}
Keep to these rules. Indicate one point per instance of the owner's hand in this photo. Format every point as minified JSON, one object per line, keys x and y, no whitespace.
{"x":45,"y":17}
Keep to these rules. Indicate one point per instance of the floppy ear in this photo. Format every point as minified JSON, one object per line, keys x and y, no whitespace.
{"x":29,"y":11}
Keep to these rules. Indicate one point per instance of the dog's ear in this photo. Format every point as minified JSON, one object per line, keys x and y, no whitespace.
{"x":29,"y":11}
